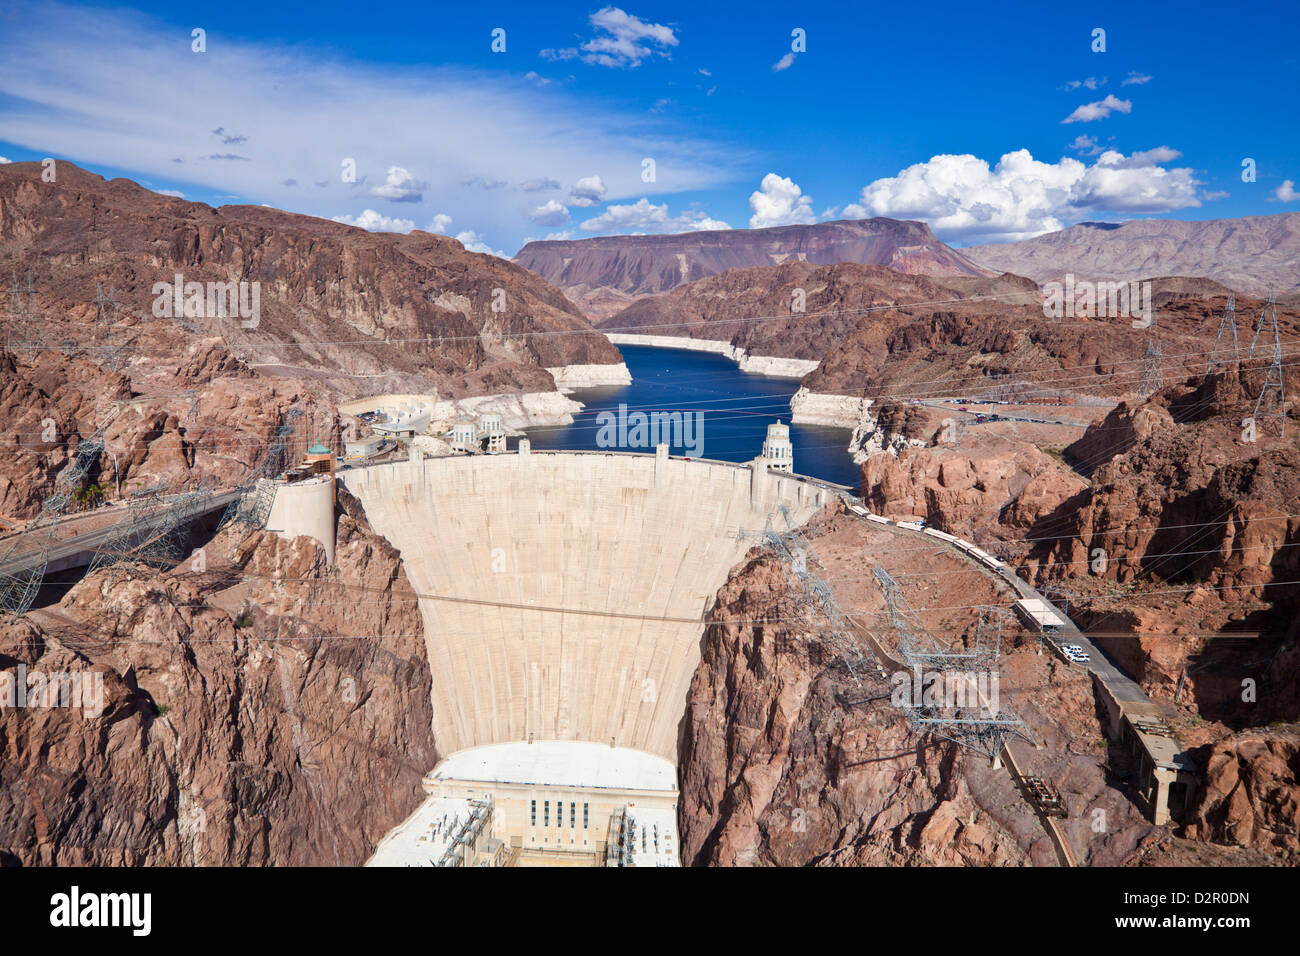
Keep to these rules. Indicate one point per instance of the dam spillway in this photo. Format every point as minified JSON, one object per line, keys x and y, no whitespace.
{"x":563,"y":592}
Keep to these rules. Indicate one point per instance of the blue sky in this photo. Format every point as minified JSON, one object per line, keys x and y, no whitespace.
{"x":991,"y":124}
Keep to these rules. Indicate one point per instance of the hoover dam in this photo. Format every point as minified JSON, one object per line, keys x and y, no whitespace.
{"x":563,"y":597}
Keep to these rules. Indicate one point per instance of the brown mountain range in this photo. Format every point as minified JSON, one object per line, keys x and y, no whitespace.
{"x":342,"y":313}
{"x":384,"y":312}
{"x":604,"y":274}
{"x":878,"y":332}
{"x":1252,"y":255}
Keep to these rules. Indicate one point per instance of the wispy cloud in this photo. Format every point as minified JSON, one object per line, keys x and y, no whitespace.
{"x":1091,"y":83}
{"x":621,"y":40}
{"x":91,"y":91}
{"x":1089,"y":112}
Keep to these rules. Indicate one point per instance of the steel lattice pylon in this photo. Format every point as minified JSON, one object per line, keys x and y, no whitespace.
{"x":253,"y":505}
{"x":813,"y":594}
{"x":27,"y":554}
{"x":1273,"y":377}
{"x":1227,"y":327}
{"x":917,"y":644}
{"x":1268,"y":311}
{"x":153,"y":532}
{"x":980,"y":724}
{"x":1153,"y":376}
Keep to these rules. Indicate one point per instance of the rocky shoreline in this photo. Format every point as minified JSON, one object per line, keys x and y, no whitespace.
{"x":571,"y":377}
{"x":774,"y":365}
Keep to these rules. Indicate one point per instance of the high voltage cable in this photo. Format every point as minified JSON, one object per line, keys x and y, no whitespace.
{"x":312,"y":582}
{"x":590,"y":330}
{"x":765,"y":400}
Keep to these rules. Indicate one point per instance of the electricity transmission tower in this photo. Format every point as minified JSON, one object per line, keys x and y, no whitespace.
{"x":973,"y":718}
{"x":1227,"y":327}
{"x":811,"y":594}
{"x":1273,"y":377}
{"x":25,"y":556}
{"x":257,"y":494}
{"x":1153,"y":376}
{"x":1269,"y":310}
{"x":154,"y":531}
{"x":22,"y":314}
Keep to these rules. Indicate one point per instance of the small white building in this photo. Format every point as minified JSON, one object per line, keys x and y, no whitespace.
{"x":463,"y":437}
{"x":404,"y":422}
{"x":777,"y":448}
{"x":365,"y":447}
{"x":491,"y":431}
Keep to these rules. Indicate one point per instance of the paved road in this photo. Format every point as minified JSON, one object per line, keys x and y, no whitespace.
{"x":1126,"y":691}
{"x":20,"y":560}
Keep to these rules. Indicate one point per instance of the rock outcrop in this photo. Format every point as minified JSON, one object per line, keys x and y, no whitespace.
{"x":970,"y":487}
{"x":372,"y":309}
{"x":1250,"y":793}
{"x":776,"y":770}
{"x":262,"y":712}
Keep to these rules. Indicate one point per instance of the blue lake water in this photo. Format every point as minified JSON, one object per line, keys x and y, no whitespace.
{"x":735,"y":409}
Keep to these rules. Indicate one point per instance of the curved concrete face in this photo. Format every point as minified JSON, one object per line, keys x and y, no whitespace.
{"x":546,"y":579}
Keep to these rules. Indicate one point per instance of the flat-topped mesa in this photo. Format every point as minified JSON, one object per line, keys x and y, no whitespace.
{"x":564,"y":593}
{"x":605,"y":273}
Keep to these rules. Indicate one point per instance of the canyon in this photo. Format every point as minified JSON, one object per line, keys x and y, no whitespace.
{"x":273,"y":697}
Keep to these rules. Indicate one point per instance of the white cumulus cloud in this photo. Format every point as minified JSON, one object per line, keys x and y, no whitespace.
{"x":440,"y":224}
{"x":473,"y":242}
{"x":778,"y":201}
{"x":644,"y":216}
{"x":399,"y":186}
{"x":1285,"y":193}
{"x":962,"y":198}
{"x":550,"y":213}
{"x":587,"y":191}
{"x":373,"y":221}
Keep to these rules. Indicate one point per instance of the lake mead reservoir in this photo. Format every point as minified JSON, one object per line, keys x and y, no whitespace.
{"x":734,"y":409}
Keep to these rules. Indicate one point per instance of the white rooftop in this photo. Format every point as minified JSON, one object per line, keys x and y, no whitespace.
{"x":423,"y":837}
{"x":1041,"y":612}
{"x":563,"y":763}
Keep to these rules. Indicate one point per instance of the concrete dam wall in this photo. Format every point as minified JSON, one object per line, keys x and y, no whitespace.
{"x":562,"y":592}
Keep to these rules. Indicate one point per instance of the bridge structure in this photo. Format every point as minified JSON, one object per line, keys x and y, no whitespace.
{"x":44,"y":548}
